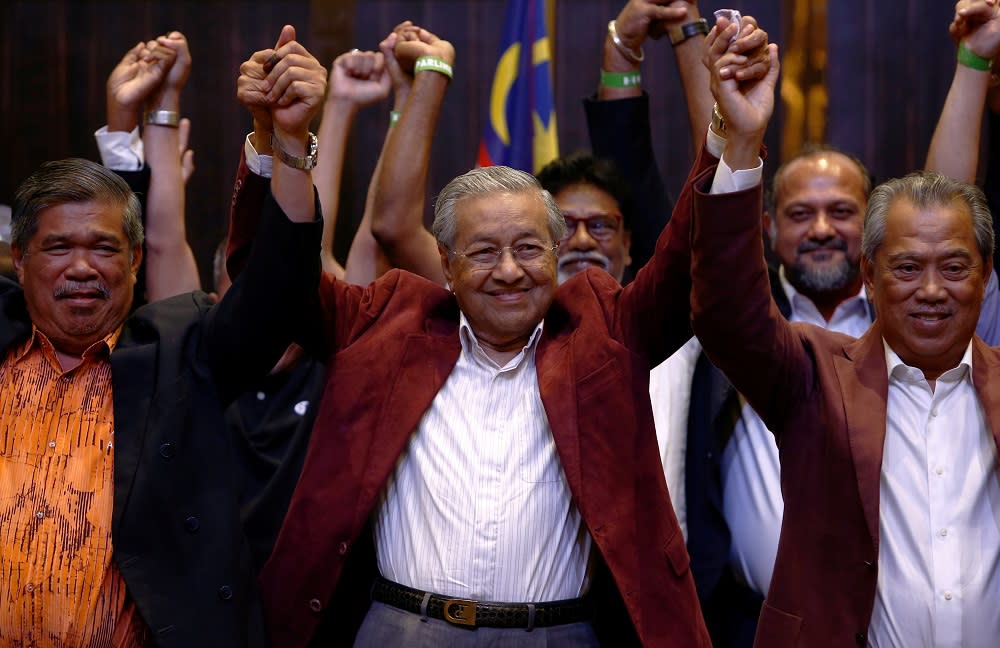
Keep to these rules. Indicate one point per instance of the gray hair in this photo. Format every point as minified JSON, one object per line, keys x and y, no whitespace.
{"x":488,"y":180}
{"x":926,"y":189}
{"x":72,"y":180}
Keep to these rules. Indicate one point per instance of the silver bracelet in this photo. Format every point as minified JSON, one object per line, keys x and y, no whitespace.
{"x":162,"y":118}
{"x":626,"y":52}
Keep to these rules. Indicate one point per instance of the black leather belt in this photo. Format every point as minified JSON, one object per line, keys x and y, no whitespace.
{"x":484,"y":614}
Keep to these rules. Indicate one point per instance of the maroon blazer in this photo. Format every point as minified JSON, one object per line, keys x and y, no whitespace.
{"x":824,"y":396}
{"x":391,"y":346}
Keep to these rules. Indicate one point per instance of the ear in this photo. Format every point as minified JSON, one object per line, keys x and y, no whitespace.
{"x":445,"y":263}
{"x":867,"y":275}
{"x":136,"y":261}
{"x":17,"y":258}
{"x":627,"y":242}
{"x":769,"y":228}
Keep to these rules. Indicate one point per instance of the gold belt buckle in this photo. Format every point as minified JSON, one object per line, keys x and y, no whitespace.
{"x":460,"y":612}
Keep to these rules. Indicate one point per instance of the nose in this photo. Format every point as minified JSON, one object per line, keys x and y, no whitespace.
{"x":821,"y":228}
{"x":931,"y":288}
{"x":579,"y":237}
{"x":80,"y":267}
{"x":507,"y":268}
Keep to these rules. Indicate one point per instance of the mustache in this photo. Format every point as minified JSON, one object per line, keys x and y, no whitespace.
{"x":580,"y":255}
{"x":832,"y":244}
{"x":71,"y":288}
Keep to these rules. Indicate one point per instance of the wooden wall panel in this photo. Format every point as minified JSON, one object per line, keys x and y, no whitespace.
{"x":888,"y":70}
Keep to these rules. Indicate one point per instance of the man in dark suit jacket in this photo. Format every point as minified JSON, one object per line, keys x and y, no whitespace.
{"x":873,"y":483}
{"x":175,"y":529}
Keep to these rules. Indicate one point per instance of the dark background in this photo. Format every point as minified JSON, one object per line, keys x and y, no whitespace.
{"x":886,"y":67}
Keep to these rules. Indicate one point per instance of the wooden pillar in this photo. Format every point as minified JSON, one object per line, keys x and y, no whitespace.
{"x":803,"y":84}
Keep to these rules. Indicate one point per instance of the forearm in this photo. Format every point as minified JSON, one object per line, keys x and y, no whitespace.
{"x":333,"y":133}
{"x":397,"y":193}
{"x":170,"y":263}
{"x":954,"y":148}
{"x":695,"y":82}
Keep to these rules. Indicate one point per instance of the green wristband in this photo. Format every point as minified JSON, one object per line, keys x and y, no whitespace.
{"x":394,"y":117}
{"x":620,"y":79}
{"x":432,"y":64}
{"x":970,"y":59}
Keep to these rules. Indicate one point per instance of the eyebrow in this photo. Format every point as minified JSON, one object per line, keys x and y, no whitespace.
{"x":960,"y":253}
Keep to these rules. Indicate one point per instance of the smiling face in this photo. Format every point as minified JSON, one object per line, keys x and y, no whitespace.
{"x":78,"y":273}
{"x":819,"y":212}
{"x":927,"y":283}
{"x":588,"y":209}
{"x":503,"y":304}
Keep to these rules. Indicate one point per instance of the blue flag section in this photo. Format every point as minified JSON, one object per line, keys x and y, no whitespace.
{"x":521,"y":127}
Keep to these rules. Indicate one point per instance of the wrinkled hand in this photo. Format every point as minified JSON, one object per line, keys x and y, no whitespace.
{"x":415,"y":42}
{"x":746,"y":104}
{"x":638,"y":17}
{"x":137,"y":76}
{"x":752,"y":60}
{"x":977,"y":24}
{"x":294,"y":87}
{"x":178,"y":73}
{"x":359,"y":78}
{"x":250,"y":86}
{"x":401,"y":80}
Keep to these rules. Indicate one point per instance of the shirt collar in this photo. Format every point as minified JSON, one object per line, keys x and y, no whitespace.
{"x":471,"y":345}
{"x":905,"y":373}
{"x":100,"y":348}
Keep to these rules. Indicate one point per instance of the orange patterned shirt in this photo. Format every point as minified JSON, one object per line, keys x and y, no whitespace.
{"x":59,"y":586}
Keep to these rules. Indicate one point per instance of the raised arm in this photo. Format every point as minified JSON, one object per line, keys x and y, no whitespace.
{"x":733,"y":313}
{"x":954,"y":148}
{"x":170,"y":265}
{"x":273,"y":300}
{"x":357,"y":79}
{"x":399,"y":190}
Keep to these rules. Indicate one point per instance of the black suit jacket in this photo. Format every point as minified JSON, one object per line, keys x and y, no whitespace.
{"x":175,"y":527}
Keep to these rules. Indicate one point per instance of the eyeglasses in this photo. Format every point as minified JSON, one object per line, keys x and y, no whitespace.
{"x":526,"y":255}
{"x":600,"y":228}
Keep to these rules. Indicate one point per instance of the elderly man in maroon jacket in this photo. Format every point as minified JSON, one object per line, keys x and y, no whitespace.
{"x":888,"y":443}
{"x":488,"y":444}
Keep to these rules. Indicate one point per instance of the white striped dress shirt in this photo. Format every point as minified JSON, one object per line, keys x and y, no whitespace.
{"x":478,"y":506}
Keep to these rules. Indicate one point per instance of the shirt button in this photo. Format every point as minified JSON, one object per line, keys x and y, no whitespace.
{"x":167,"y":451}
{"x":343,"y":548}
{"x":40,"y":514}
{"x":261,"y":395}
{"x":225,"y":592}
{"x":29,"y":588}
{"x":52,"y":444}
{"x":939,"y":470}
{"x":315,"y":605}
{"x":943,"y":532}
{"x":191,"y":524}
{"x":934,"y":412}
{"x":947,"y":596}
{"x":301,"y":407}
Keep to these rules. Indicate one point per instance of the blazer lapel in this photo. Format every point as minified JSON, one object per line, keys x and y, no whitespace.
{"x":986,"y":363}
{"x":864,"y":386}
{"x":427,"y":361}
{"x":133,"y":383}
{"x":557,"y":387}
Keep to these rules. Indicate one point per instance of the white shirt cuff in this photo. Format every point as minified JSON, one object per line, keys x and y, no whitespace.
{"x":257,"y":163}
{"x":715,"y":143}
{"x":728,"y":181}
{"x":120,"y":151}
